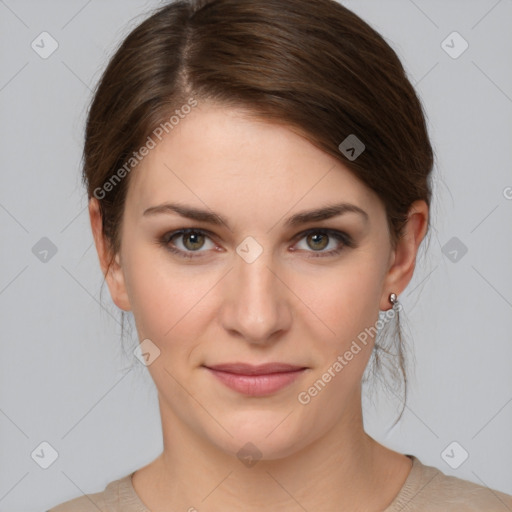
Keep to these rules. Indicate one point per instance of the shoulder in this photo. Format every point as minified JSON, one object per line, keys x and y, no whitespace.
{"x":111,"y":499}
{"x":430,"y":490}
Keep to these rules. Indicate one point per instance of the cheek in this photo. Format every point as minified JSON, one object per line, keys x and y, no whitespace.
{"x":349,"y":306}
{"x":348,"y":303}
{"x":170,"y":307}
{"x":169,"y":303}
{"x":348,"y":299}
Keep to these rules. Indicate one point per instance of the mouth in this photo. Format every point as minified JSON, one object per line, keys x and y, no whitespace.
{"x":259,"y":380}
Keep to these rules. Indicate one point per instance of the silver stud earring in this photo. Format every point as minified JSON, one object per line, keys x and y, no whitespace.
{"x":393,"y":299}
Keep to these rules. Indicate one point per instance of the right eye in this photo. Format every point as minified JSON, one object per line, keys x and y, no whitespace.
{"x":192,"y":242}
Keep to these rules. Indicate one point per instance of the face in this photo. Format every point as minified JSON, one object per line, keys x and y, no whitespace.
{"x":254,"y":287}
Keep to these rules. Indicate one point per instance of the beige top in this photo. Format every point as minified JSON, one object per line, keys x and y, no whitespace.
{"x":426,"y":489}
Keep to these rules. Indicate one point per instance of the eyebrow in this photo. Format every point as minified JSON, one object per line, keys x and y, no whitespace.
{"x":304,"y":217}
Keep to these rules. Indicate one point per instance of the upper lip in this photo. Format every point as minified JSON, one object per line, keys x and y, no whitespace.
{"x":249,"y":369}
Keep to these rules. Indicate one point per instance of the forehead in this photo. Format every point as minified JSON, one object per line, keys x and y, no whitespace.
{"x":223,"y":159}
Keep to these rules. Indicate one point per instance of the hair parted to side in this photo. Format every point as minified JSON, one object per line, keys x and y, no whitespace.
{"x":313,"y":66}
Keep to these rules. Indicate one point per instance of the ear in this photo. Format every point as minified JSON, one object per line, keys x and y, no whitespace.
{"x":403,"y":258}
{"x":114,"y":277}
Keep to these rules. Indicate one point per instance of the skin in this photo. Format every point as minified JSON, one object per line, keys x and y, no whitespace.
{"x":287,"y":306}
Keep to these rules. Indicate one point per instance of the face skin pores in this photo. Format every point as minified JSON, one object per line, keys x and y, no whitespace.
{"x":251,"y":287}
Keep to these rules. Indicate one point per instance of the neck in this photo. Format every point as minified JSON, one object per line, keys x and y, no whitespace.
{"x":345,"y":469}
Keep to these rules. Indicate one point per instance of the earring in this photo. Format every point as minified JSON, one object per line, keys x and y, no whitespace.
{"x":393,"y":298}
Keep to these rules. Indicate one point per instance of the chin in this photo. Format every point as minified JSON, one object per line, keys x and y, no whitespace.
{"x":260,"y":435}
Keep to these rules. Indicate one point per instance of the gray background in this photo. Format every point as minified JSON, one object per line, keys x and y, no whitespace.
{"x":64,"y":377}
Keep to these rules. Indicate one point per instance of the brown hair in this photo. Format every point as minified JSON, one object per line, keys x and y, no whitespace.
{"x":314,"y":66}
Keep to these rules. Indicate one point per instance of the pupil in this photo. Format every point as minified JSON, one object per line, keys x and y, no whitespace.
{"x":316,"y":237}
{"x":192,"y":236}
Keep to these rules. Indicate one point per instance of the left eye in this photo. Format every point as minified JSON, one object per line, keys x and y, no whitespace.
{"x":320,"y":240}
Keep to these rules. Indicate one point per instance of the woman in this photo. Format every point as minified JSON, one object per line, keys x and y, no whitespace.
{"x":259,"y":183}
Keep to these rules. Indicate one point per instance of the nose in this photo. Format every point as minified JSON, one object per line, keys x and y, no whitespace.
{"x":256,"y":304}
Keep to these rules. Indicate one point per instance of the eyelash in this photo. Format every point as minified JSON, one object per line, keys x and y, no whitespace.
{"x":345,"y":239}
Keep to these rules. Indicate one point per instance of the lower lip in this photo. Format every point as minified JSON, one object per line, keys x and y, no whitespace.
{"x":257,"y":385}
